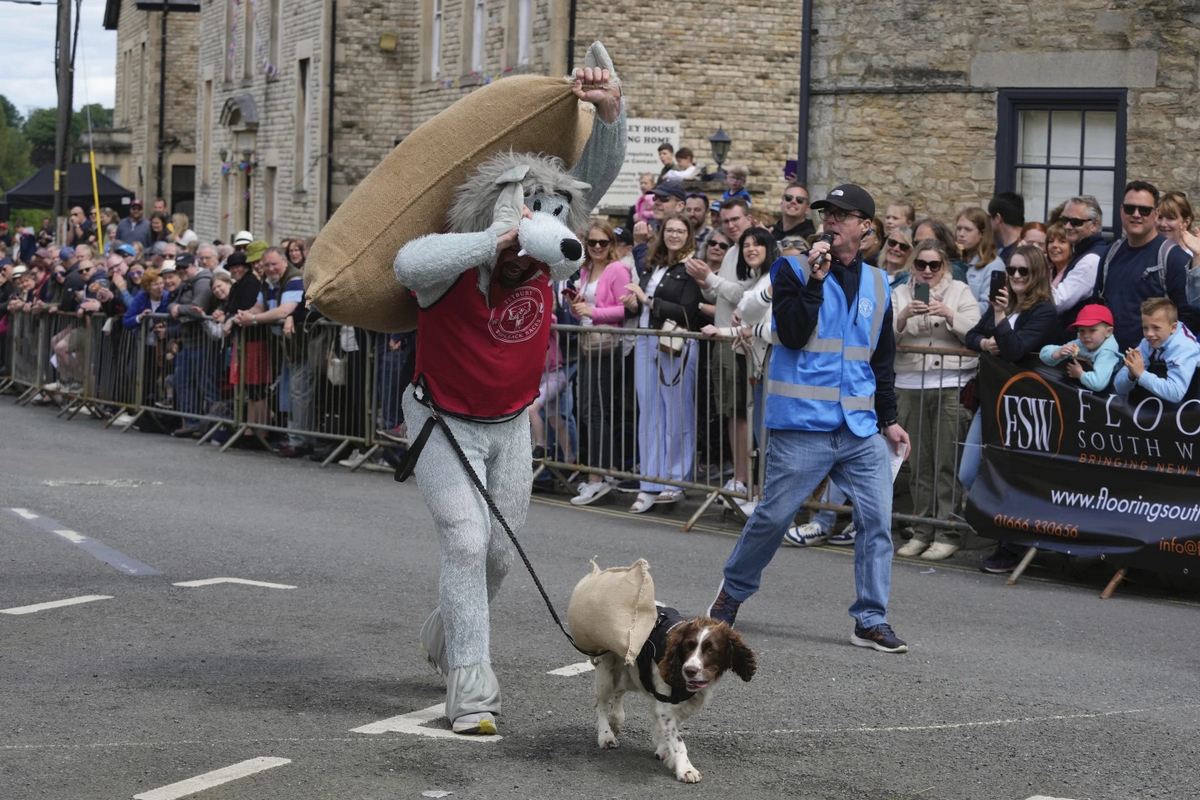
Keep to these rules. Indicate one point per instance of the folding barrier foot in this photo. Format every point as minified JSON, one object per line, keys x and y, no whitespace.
{"x":708,"y":501}
{"x":1020,"y":570}
{"x":212,"y":429}
{"x":236,"y":435}
{"x":26,"y":396}
{"x":1113,"y":584}
{"x":133,"y":421}
{"x":334,"y":453}
{"x":367,"y":457}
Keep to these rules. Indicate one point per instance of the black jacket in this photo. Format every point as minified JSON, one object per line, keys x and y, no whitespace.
{"x":677,"y":297}
{"x":1036,"y":327}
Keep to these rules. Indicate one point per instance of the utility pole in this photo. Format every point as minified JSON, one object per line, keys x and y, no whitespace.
{"x":62,"y":138}
{"x":162,"y":97}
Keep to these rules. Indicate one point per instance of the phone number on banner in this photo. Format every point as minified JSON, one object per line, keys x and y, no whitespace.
{"x":1036,"y":526}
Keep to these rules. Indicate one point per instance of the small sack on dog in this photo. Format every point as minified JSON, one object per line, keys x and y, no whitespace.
{"x":613,"y":610}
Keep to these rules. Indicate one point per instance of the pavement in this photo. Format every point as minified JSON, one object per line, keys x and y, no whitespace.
{"x":245,"y":690}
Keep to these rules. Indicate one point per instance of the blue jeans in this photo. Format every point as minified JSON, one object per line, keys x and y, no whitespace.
{"x":196,"y":389}
{"x":301,"y":388}
{"x":796,"y":462}
{"x":968,"y":470}
{"x":390,"y":388}
{"x":827,"y":519}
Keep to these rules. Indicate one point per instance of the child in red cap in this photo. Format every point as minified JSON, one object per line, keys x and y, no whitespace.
{"x":1093,"y":356}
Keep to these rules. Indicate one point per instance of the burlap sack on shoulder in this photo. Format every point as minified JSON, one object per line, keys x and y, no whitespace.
{"x":613,"y":609}
{"x":348,"y":276}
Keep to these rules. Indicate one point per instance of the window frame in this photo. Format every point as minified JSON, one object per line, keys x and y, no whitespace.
{"x":1011,"y":102}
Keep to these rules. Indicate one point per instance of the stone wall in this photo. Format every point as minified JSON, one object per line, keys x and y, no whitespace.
{"x":137,"y":90}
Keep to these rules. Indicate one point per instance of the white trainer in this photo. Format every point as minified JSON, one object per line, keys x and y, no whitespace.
{"x":912,"y":548}
{"x":590,"y":492}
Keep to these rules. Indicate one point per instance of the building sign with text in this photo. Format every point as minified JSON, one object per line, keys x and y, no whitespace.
{"x":641,"y":155}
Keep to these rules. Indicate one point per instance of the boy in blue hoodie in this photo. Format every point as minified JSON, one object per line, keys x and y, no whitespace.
{"x":1094,"y":344}
{"x":1164,"y":363}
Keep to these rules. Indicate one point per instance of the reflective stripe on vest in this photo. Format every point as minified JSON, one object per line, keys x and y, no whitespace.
{"x":857,"y":353}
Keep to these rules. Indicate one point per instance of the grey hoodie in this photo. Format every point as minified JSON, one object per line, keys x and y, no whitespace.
{"x":195,"y":291}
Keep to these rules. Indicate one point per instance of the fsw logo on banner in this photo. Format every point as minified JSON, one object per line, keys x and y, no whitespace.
{"x":1029,"y":414}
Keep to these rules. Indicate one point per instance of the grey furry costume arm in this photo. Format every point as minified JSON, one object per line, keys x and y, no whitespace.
{"x":430,"y":265}
{"x":602,"y":156}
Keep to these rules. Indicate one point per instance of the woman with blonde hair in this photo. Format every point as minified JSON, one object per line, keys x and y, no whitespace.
{"x":973,"y":229}
{"x":596,"y":301}
{"x":897,"y":251}
{"x":1058,"y":251}
{"x":665,"y":374}
{"x":184,"y":235}
{"x":933,"y":310}
{"x":1175,"y":219}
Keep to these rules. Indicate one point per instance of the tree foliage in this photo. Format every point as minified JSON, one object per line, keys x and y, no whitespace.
{"x":9,"y":112}
{"x":39,"y":131}
{"x":15,"y":165}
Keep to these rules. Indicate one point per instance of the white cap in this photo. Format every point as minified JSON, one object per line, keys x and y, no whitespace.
{"x":167,"y":266}
{"x":19,"y":269}
{"x":243,"y":237}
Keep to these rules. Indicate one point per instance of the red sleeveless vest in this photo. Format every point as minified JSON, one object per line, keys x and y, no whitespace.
{"x":481,"y":362}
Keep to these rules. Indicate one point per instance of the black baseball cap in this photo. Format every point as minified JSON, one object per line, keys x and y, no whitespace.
{"x":849,"y":197}
{"x":671,"y":189}
{"x":624,"y":235}
{"x":184,"y":260}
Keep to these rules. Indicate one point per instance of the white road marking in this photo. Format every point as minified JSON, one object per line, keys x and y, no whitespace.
{"x":940,"y":727}
{"x":74,"y":601}
{"x":573,"y":669}
{"x":118,"y":483}
{"x":24,"y":513}
{"x":72,"y":536}
{"x":214,"y":581}
{"x":1045,"y":797}
{"x":211,"y":779}
{"x":415,"y":722}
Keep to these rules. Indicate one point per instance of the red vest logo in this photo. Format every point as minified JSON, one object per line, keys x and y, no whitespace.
{"x":519,"y":317}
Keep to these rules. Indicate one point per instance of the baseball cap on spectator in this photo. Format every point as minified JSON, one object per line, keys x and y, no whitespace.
{"x":255,"y":250}
{"x":624,"y":235}
{"x":3,"y":226}
{"x":670,"y":189}
{"x":158,"y":248}
{"x":167,"y":266}
{"x":126,"y":250}
{"x":65,"y":253}
{"x":5,"y":261}
{"x":184,"y":260}
{"x":137,"y":203}
{"x":20,"y":269}
{"x":715,"y":205}
{"x":243,"y":238}
{"x":849,"y":197}
{"x":1092,"y":314}
{"x":43,"y":253}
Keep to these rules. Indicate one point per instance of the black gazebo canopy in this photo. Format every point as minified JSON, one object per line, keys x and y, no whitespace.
{"x":37,"y":191}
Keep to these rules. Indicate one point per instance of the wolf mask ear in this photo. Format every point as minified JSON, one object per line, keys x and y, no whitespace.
{"x":506,"y":214}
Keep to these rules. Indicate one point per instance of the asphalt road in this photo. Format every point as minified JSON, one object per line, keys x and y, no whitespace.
{"x":1008,"y":692}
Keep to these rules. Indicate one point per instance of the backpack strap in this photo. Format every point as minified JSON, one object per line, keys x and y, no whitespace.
{"x":1161,"y":266}
{"x":1108,"y":257}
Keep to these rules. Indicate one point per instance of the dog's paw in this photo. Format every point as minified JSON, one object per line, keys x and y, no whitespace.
{"x":607,"y":741}
{"x":688,"y":775}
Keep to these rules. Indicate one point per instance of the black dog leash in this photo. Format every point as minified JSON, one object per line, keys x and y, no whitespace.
{"x":436,"y":418}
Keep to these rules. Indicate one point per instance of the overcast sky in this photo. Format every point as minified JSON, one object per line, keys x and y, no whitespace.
{"x":27,"y":74}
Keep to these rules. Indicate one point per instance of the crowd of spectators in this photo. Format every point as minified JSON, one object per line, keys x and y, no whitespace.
{"x":218,"y":325}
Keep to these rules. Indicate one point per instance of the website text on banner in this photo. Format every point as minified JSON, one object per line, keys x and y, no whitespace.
{"x":1087,"y":473}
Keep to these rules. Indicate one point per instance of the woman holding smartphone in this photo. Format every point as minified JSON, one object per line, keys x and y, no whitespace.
{"x":597,"y":303}
{"x":933,"y":310}
{"x":1021,"y":319}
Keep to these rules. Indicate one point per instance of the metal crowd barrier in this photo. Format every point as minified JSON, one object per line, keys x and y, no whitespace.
{"x":618,"y":405}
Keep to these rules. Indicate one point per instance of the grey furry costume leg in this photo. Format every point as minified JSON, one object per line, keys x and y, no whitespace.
{"x":476,"y":553}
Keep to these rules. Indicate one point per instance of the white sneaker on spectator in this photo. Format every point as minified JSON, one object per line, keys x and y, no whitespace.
{"x":124,"y":419}
{"x":731,"y":485}
{"x":590,"y":492}
{"x":356,"y":459}
{"x":747,"y":506}
{"x":939,"y":551}
{"x":807,"y":535}
{"x":843,"y":539}
{"x":51,"y":387}
{"x":912,"y":548}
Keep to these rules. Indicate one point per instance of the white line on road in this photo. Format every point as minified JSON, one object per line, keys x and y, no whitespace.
{"x":214,"y":581}
{"x":211,"y":779}
{"x":72,"y":536}
{"x":74,"y":601}
{"x":415,"y":722}
{"x":573,"y":669}
{"x":24,"y":513}
{"x":1044,"y":797}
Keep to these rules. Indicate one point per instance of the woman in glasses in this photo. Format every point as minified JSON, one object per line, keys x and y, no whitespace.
{"x":1021,"y":318}
{"x":897,"y":249}
{"x":597,"y":303}
{"x":933,"y":310}
{"x":973,"y":229}
{"x":714,"y":252}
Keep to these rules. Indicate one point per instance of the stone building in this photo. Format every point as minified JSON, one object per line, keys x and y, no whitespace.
{"x":129,"y":152}
{"x":938,"y":101}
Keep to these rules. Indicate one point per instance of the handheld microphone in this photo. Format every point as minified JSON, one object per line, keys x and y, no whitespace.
{"x":826,"y":237}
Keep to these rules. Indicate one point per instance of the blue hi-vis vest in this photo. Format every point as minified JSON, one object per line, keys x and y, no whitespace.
{"x":830,"y":380}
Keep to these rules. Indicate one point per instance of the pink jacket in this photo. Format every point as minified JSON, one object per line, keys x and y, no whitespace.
{"x":609,"y":309}
{"x":643,"y":209}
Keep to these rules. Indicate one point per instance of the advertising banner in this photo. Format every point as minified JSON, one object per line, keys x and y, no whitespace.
{"x":1085,"y":473}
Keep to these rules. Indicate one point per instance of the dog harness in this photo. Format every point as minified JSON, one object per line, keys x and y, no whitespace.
{"x":654,"y":650}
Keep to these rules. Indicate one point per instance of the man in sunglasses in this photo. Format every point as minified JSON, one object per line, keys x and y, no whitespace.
{"x":793,"y":210}
{"x":1082,"y":219}
{"x":1142,"y":265}
{"x":829,"y":398}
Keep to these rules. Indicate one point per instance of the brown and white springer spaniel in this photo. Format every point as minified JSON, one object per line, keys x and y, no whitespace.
{"x":678,"y":666}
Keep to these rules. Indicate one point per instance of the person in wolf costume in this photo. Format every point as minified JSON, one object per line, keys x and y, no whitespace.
{"x":485,"y":299}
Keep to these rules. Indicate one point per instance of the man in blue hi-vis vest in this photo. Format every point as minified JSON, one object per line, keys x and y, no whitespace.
{"x":829,"y":397}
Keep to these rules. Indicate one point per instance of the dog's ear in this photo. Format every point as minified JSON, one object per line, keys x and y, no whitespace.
{"x":670,"y":669}
{"x":741,"y":658}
